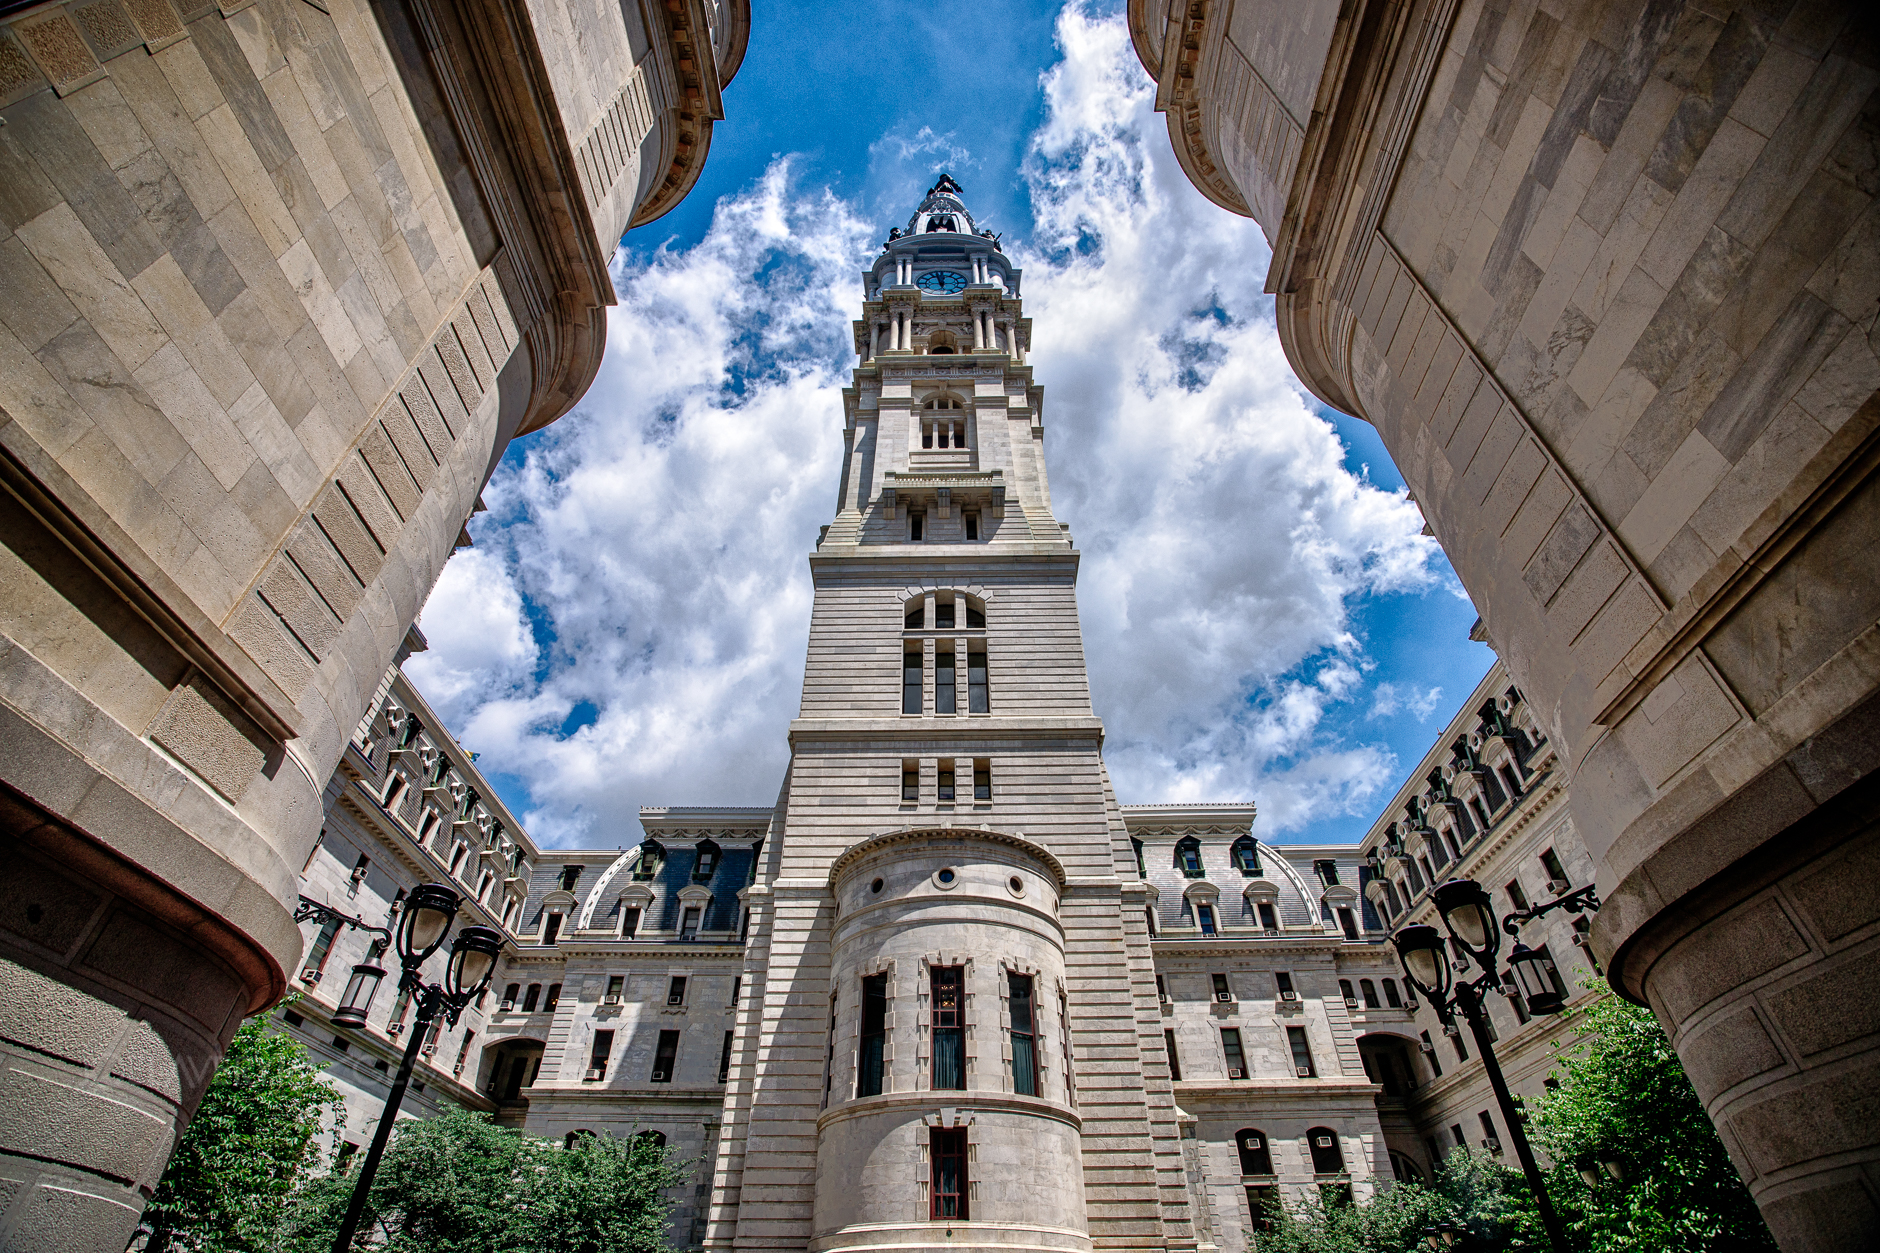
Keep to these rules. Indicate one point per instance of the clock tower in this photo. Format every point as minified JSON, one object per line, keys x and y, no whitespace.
{"x":949,"y":1033}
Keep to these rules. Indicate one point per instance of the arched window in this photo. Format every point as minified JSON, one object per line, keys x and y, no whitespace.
{"x":579,"y":1133}
{"x":1256,"y":1155}
{"x":1390,"y":994}
{"x":1370,"y":993}
{"x":1404,"y":1169}
{"x":1246,"y":856}
{"x":1326,"y":1157}
{"x":652,"y":1139}
{"x":1188,"y":857}
{"x":509,"y":995}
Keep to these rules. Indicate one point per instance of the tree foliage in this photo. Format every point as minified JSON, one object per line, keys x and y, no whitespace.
{"x":1624,"y":1095}
{"x":457,"y":1183}
{"x":253,"y":1139}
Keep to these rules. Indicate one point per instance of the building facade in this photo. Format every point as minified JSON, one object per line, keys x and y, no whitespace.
{"x":1604,"y":276}
{"x":947,"y":990}
{"x":279,"y":281}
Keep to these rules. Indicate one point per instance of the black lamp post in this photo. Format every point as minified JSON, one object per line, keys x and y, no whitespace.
{"x":429,"y":913}
{"x":1469,"y":917}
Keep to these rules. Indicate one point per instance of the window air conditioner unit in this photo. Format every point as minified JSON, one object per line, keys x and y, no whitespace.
{"x":310,"y":976}
{"x":1235,"y":1072}
{"x":1225,"y":998}
{"x":1351,"y":1002}
{"x":457,"y":1070}
{"x":1272,"y":932}
{"x":506,"y":1006}
{"x":1305,"y":1072}
{"x":675,"y":1000}
{"x":612,"y":998}
{"x":1288,"y":996}
{"x":1582,"y":940}
{"x":594,"y":1072}
{"x":1493,"y":1146}
{"x":1164,"y":997}
{"x":1410,"y":1004}
{"x":1557,"y":887}
{"x":1324,"y":1142}
{"x":659,"y":1076}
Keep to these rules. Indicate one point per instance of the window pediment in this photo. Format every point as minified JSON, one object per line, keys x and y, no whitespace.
{"x":695,"y":894}
{"x":1261,"y":890}
{"x":1201,"y":890}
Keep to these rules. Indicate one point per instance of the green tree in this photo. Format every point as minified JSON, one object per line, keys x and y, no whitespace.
{"x":456,"y":1183}
{"x":1475,"y":1192}
{"x":1624,"y":1095}
{"x":254,"y":1138}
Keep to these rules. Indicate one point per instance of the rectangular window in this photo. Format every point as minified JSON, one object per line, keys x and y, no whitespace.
{"x":1519,"y":1006}
{"x":1455,"y":1129}
{"x":675,"y":990}
{"x":1488,"y":1128}
{"x":1348,"y":923}
{"x":553,"y":999}
{"x":949,"y":1173}
{"x":982,"y":779}
{"x":1327,"y":872}
{"x":322,"y":947}
{"x":597,"y":1060}
{"x":874,"y":1035}
{"x":976,"y":698}
{"x":724,"y":1060}
{"x":910,"y":683}
{"x":1024,"y":1036}
{"x":531,"y":998}
{"x":1284,"y":980}
{"x":1174,"y":1058}
{"x":946,"y":778}
{"x":1204,"y":915}
{"x":1462,"y":1050}
{"x":1553,"y":972}
{"x":972,"y":526}
{"x":629,"y":923}
{"x":1301,"y":1052}
{"x":463,"y":1052}
{"x":916,"y":525}
{"x":1516,"y":897}
{"x":1268,"y":918}
{"x":943,"y":683}
{"x":943,"y":615}
{"x":1262,"y":1204}
{"x":551,"y":930}
{"x":615,"y":985}
{"x":910,"y":780}
{"x":1230,"y":1048}
{"x":1556,"y":873}
{"x":949,"y":1015}
{"x":1221,"y":991}
{"x":665,"y":1056}
{"x":1429,"y":1052}
{"x":688,"y":924}
{"x":1416,"y":879}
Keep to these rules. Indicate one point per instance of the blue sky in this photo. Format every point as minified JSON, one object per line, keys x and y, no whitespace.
{"x":1262,"y":618}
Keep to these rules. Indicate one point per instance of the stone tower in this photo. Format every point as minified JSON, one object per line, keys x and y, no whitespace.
{"x":950,"y":1034}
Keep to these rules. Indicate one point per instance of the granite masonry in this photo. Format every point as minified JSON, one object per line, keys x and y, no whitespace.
{"x":1605,"y":277}
{"x":279,"y":281}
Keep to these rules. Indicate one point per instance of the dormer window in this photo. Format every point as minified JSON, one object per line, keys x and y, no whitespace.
{"x":651,"y":855}
{"x":707,"y":863}
{"x":1188,"y":858}
{"x":569,"y":874}
{"x":1247,"y":857}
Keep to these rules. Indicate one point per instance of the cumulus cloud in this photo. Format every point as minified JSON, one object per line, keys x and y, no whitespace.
{"x":630,"y":628}
{"x":1224,"y":538}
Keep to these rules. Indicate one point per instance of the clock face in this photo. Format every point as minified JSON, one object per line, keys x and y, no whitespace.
{"x":946,"y":282}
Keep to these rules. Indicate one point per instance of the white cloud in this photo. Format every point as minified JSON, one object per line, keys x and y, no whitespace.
{"x":658,"y":534}
{"x":1390,"y":698}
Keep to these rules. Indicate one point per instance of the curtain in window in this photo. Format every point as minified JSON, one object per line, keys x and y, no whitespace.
{"x":949,"y":1044}
{"x":1024,"y":1037}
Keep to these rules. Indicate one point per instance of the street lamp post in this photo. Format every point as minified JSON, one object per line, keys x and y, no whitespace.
{"x":428,"y":915}
{"x":1469,"y":917}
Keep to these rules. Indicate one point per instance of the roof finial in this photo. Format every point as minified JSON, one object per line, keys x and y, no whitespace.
{"x":946,"y":183}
